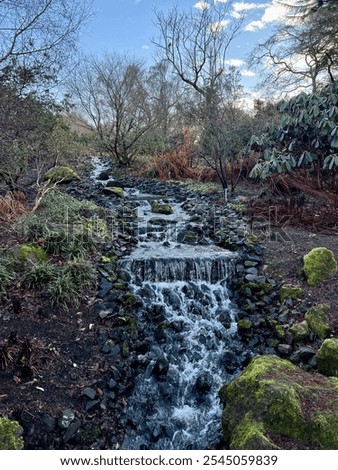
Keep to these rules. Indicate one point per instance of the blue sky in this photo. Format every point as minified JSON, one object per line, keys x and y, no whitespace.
{"x":126,"y":26}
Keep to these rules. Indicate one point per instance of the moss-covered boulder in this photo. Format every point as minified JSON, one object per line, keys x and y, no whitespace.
{"x":165,"y":209}
{"x":327,"y":358}
{"x":10,"y":435}
{"x":32,"y":252}
{"x":300,"y":331}
{"x":289,"y":292}
{"x":319,"y":264}
{"x":61,"y":174}
{"x":114,"y":191}
{"x":274,"y":404}
{"x":317,"y":319}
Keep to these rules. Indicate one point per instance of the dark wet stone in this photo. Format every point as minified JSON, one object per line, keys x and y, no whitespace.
{"x":66,"y":417}
{"x":89,"y":393}
{"x":49,"y":422}
{"x":91,"y":405}
{"x":72,"y":430}
{"x":104,"y":288}
{"x":103,"y":176}
{"x":161,"y":366}
{"x":284,"y":349}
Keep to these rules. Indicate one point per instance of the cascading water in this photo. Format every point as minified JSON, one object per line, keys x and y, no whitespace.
{"x":175,"y":403}
{"x":187,"y":310}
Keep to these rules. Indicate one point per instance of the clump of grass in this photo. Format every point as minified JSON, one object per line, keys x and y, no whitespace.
{"x":39,"y":274}
{"x":68,"y":283}
{"x":6,"y":276}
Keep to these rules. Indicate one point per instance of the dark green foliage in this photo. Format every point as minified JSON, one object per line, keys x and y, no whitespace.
{"x":306,"y":137}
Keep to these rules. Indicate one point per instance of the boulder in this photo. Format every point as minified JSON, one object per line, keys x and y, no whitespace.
{"x":317,"y":320}
{"x":10,"y":435}
{"x":289,"y":292}
{"x":61,"y":174}
{"x":327,"y":357}
{"x":275,"y":404}
{"x":300,"y":331}
{"x":319,"y":264}
{"x":161,"y":208}
{"x":114,"y":191}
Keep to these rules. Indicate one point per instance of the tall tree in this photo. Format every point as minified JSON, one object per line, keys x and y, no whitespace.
{"x":302,"y":53}
{"x":196,"y":44}
{"x":112,"y":94}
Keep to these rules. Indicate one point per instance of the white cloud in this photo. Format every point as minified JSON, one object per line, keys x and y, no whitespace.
{"x":244,"y":6}
{"x":220,"y":1}
{"x":234,"y":62}
{"x":145,"y":46}
{"x":273,"y":12}
{"x":202,"y":5}
{"x":216,"y":27}
{"x":248,"y":73}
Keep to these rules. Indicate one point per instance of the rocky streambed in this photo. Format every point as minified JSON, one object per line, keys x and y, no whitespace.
{"x":183,"y":304}
{"x":187,"y":261}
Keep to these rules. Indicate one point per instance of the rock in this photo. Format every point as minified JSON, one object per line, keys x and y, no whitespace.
{"x":10,"y":435}
{"x":113,"y":191}
{"x":103,"y":176}
{"x":244,"y":324}
{"x":284,"y":349}
{"x":104,"y":288}
{"x":202,"y":384}
{"x":72,"y":430}
{"x":305,"y":353}
{"x":49,"y":422}
{"x":161,"y":366}
{"x":316,"y":318}
{"x":89,"y":393}
{"x":300,"y":331}
{"x":61,"y":174}
{"x":66,"y":417}
{"x":33,"y":253}
{"x":161,"y":208}
{"x":289,"y":292}
{"x":265,"y":406}
{"x":327,"y":357}
{"x":319,"y":264}
{"x":115,"y":184}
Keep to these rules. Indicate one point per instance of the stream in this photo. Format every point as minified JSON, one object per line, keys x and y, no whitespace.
{"x":183,"y":289}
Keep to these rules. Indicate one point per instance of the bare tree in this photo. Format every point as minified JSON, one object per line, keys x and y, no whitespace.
{"x":40,"y":31}
{"x":196,"y":44}
{"x":112,"y":93}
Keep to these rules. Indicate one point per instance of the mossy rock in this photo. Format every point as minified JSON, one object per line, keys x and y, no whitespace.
{"x":319,"y":264}
{"x":165,"y":209}
{"x":244,"y":324}
{"x":300,"y":331}
{"x":274,"y":401}
{"x":10,"y":435}
{"x":32,"y":252}
{"x":114,"y":190}
{"x":317,"y":320}
{"x":327,"y":357}
{"x":289,"y":292}
{"x":61,"y":174}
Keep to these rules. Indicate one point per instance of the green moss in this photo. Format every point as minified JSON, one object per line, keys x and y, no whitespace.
{"x":300,"y":331}
{"x":280,"y":332}
{"x":116,"y":191}
{"x":244,"y":324}
{"x":289,"y":292}
{"x":327,"y":357}
{"x":249,"y":435}
{"x":10,"y":432}
{"x":161,"y":208}
{"x":33,"y":252}
{"x":324,"y":430}
{"x":316,"y":318}
{"x":319,"y":264}
{"x":61,"y":174}
{"x":267,"y":400}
